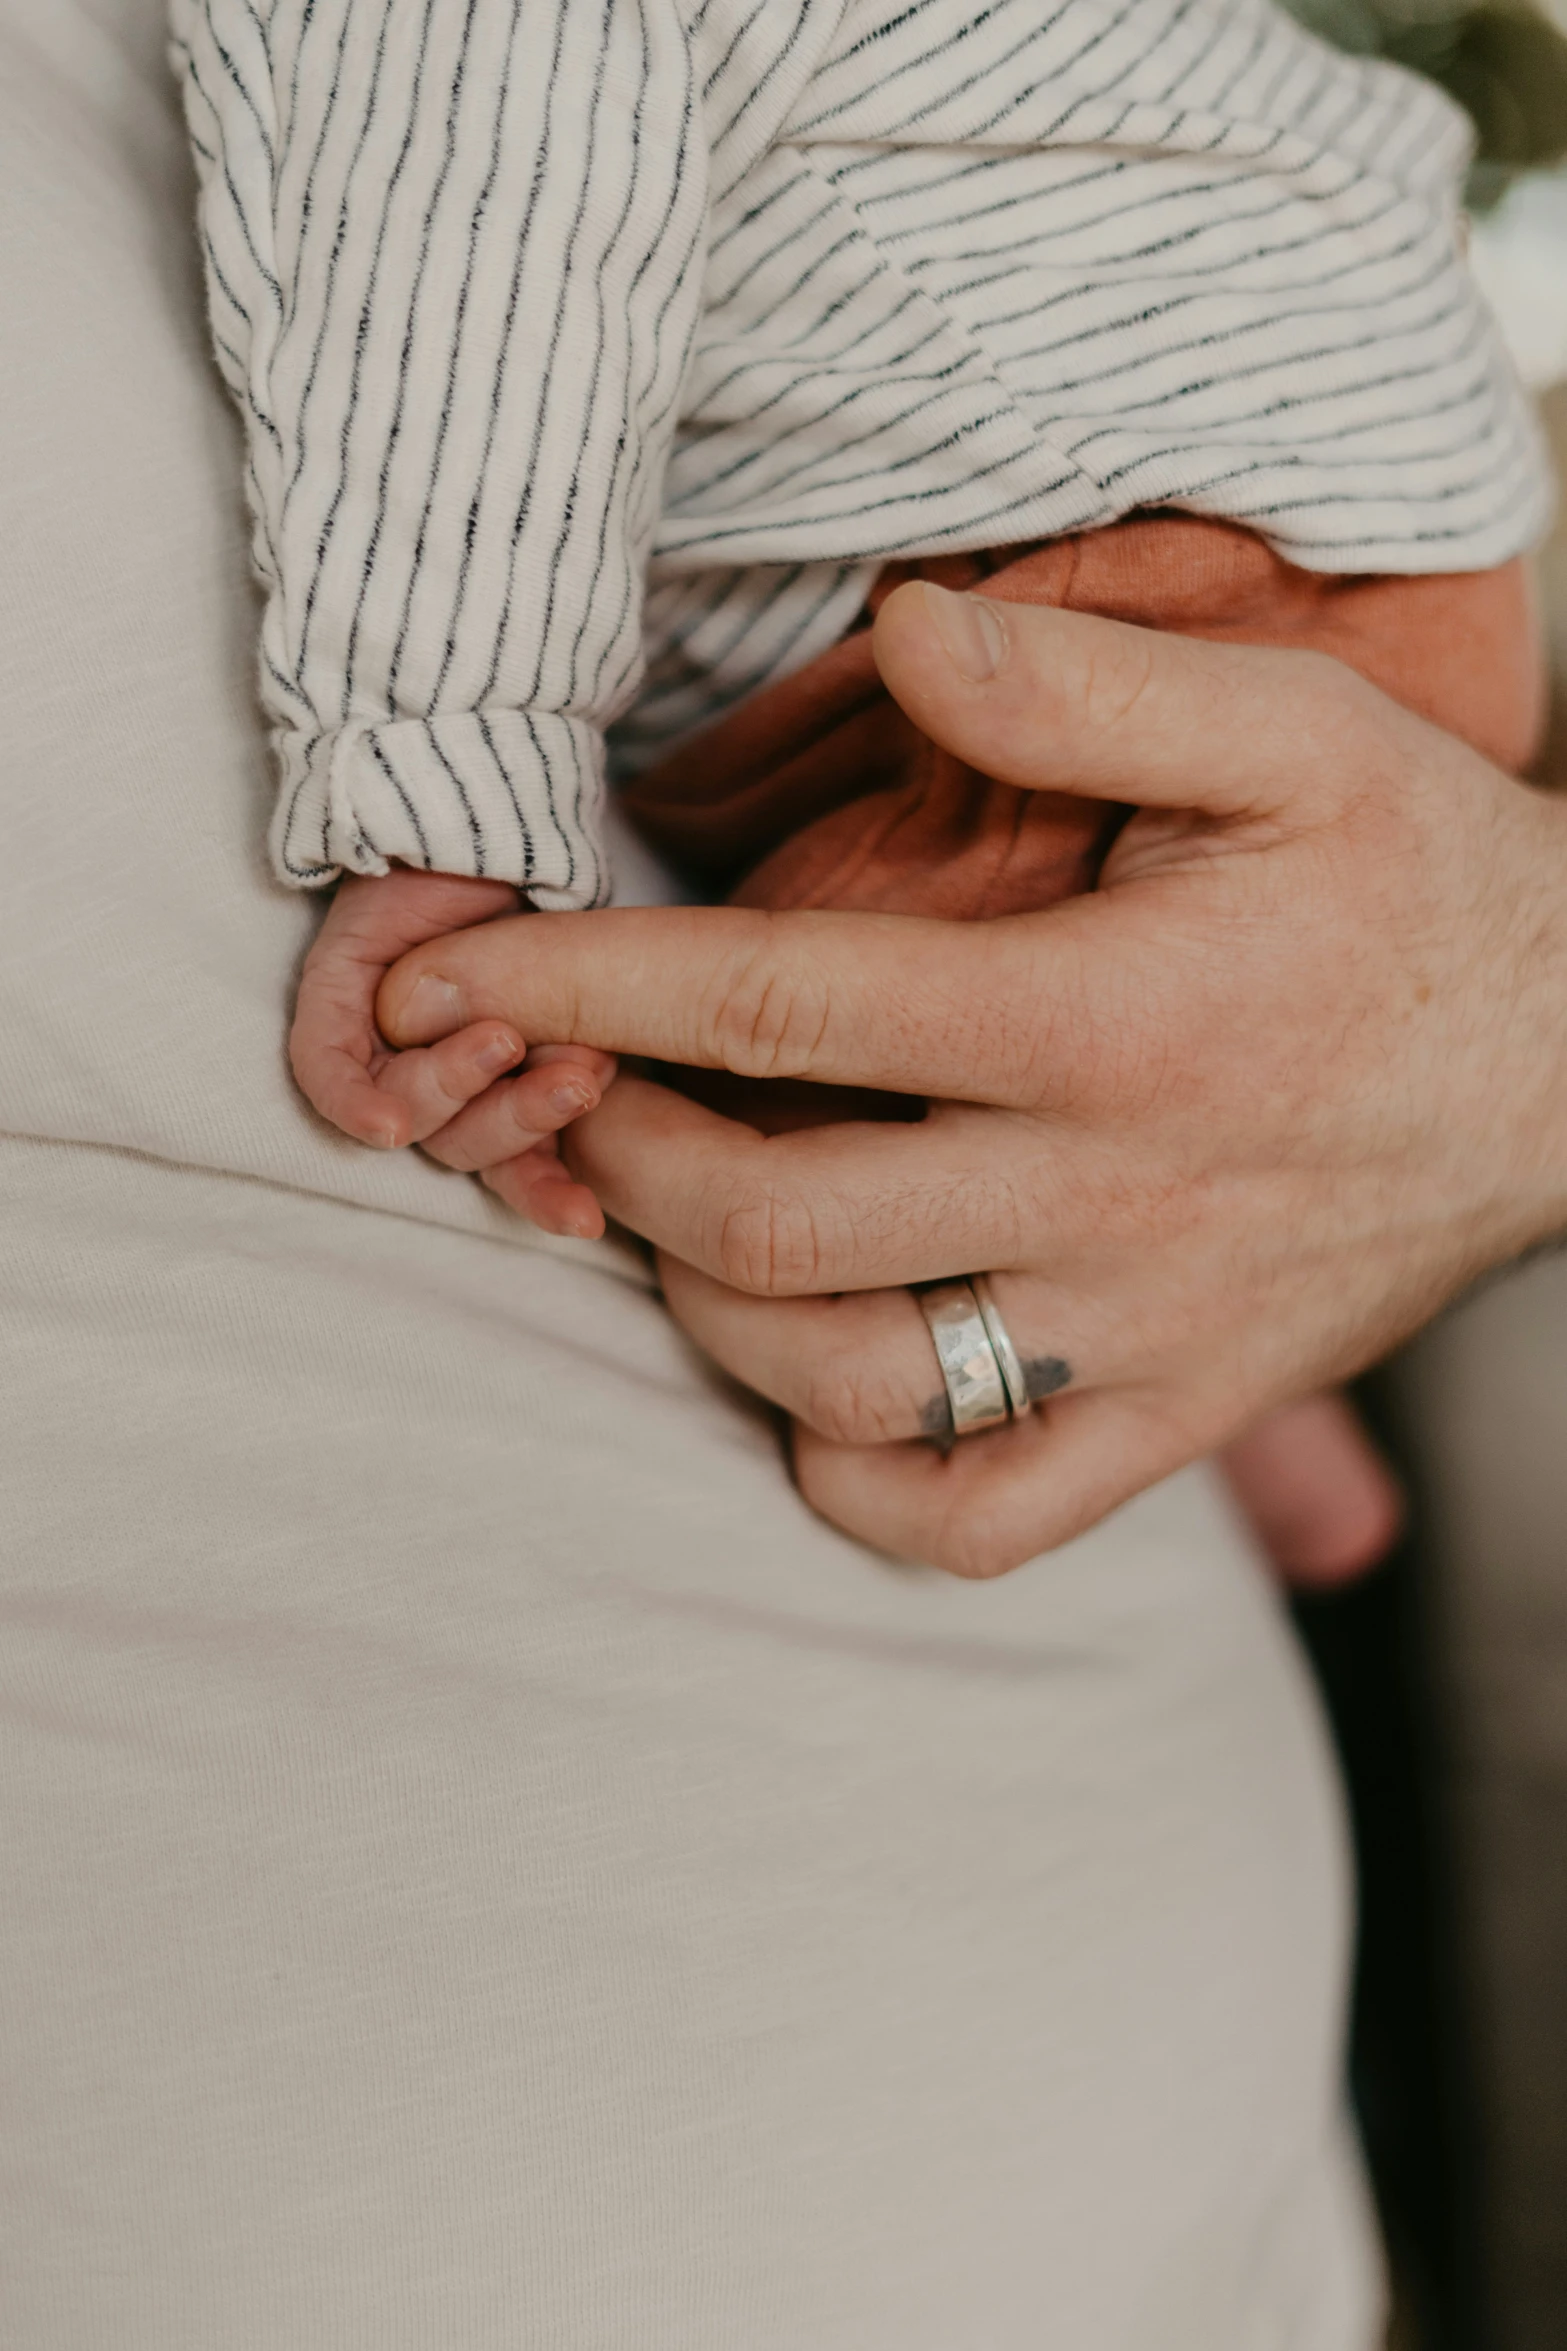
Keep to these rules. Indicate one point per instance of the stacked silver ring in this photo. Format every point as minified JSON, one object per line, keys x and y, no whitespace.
{"x":980,"y":1367}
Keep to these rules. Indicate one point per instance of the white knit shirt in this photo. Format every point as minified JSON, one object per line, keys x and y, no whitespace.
{"x":593,"y":353}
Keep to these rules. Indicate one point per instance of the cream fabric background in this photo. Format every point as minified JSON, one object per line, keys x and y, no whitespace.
{"x":481,"y":1865}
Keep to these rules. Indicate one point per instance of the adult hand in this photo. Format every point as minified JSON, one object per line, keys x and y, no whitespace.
{"x":1225,"y":1130}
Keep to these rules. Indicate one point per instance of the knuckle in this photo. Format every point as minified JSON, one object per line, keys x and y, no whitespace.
{"x":1117,"y":673}
{"x":1345,"y":720}
{"x":519,"y":1123}
{"x":772,"y":1015}
{"x":849,"y":1405}
{"x":767,"y":1243}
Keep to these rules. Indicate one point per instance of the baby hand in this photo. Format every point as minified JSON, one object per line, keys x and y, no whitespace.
{"x":445,"y":1096}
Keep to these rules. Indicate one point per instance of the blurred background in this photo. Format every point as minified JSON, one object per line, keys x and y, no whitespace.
{"x":1445,"y":1672}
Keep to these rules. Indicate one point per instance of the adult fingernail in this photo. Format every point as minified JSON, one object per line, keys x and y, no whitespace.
{"x":433,"y":1008}
{"x":971,"y":630}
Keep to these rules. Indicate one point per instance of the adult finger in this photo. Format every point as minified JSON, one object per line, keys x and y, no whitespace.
{"x":856,"y":1206}
{"x":997,"y":1500}
{"x":1069,"y":702}
{"x":860,"y":1368}
{"x":968,"y":1012}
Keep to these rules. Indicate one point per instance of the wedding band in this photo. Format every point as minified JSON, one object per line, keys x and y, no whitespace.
{"x":970,"y":1369}
{"x":1008,"y":1361}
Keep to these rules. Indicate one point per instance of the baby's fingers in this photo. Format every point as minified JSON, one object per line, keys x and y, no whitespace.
{"x":537,"y":1185}
{"x":389,"y":1099}
{"x":558,"y":1085}
{"x":336,"y":1082}
{"x":423,"y":1091}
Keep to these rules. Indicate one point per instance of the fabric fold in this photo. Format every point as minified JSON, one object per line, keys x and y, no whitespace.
{"x":511,"y":794}
{"x":821,"y":792}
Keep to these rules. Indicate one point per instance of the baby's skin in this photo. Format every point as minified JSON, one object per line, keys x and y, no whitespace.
{"x":1320,"y":1498}
{"x":458,"y":1096}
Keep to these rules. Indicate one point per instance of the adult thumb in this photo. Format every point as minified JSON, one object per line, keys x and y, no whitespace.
{"x":1067,"y":702}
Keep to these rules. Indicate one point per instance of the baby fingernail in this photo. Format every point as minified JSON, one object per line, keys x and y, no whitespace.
{"x":572,"y":1101}
{"x":433,"y":1005}
{"x":499,"y":1054}
{"x":971,"y":630}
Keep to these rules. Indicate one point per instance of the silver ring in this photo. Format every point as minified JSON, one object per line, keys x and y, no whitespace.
{"x":1008,"y":1361}
{"x":977,"y":1395}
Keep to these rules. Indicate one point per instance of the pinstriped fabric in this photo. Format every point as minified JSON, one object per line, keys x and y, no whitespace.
{"x":594,"y":353}
{"x":454,"y":252}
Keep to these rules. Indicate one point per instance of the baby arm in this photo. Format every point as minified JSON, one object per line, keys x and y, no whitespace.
{"x":452,"y":294}
{"x":452,"y":291}
{"x":455,"y":1096}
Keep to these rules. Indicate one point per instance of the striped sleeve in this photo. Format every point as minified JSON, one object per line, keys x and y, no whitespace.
{"x":454,"y":253}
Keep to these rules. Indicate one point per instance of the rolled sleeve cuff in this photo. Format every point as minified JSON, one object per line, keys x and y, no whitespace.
{"x":509,"y":795}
